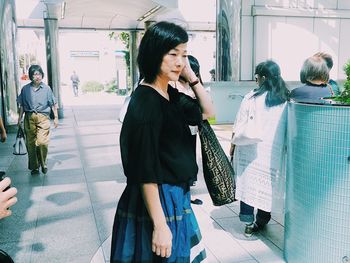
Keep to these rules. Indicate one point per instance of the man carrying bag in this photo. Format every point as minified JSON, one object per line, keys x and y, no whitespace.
{"x":36,"y":101}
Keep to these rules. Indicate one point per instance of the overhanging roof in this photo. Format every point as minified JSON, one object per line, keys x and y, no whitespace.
{"x":103,"y":14}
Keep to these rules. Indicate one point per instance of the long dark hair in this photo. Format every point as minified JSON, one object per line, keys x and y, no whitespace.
{"x":158,"y":40}
{"x":274,"y":85}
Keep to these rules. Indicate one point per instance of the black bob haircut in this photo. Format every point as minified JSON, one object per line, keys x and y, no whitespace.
{"x":158,"y":40}
{"x":34,"y":68}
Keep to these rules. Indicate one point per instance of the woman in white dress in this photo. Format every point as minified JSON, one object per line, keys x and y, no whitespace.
{"x":259,"y":166}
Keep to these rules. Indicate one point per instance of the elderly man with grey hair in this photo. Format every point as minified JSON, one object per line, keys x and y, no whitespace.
{"x":314,"y":75}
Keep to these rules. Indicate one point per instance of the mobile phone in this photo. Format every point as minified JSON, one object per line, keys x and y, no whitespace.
{"x":2,"y":176}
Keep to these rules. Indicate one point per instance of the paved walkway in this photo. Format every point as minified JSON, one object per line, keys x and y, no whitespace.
{"x":67,"y":215}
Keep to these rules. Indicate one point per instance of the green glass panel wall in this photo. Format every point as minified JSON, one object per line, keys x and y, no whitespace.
{"x":317,"y":221}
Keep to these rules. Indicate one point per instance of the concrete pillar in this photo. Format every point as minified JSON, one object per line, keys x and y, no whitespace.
{"x":52,"y":59}
{"x":228,"y":39}
{"x":148,"y":23}
{"x":133,"y":58}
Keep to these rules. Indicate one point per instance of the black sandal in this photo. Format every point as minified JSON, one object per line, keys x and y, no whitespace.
{"x":197,"y":202}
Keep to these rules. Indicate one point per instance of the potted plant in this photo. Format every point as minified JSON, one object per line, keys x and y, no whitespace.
{"x":344,"y":97}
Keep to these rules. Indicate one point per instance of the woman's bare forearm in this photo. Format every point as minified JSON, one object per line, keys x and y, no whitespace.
{"x":205,"y":101}
{"x":161,"y":236}
{"x":152,"y":201}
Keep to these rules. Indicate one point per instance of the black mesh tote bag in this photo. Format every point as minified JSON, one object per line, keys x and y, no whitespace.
{"x":217,"y":170}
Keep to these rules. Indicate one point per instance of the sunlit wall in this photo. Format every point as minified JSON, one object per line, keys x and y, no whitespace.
{"x":92,"y":54}
{"x":289,"y":31}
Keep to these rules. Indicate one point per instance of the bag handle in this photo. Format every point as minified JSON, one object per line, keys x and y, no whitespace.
{"x":20,"y":132}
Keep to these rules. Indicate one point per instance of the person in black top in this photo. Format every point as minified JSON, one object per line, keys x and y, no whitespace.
{"x":154,"y":221}
{"x":314,"y":74}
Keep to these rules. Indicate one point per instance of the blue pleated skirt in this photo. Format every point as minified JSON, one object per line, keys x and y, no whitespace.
{"x":133,"y":228}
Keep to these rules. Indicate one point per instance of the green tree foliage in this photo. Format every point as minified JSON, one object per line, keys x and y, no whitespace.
{"x":124,"y":37}
{"x":25,"y":60}
{"x":345,"y":95}
{"x":347,"y":70}
{"x":92,"y":86}
{"x":111,"y":86}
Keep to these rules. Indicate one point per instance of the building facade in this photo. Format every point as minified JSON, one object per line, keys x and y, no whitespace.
{"x":247,"y":32}
{"x":289,"y":31}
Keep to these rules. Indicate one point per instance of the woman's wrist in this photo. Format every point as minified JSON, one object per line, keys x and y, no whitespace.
{"x":193,"y":83}
{"x":160,"y":224}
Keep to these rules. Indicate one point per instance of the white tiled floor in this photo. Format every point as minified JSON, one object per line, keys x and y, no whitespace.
{"x":223,"y":236}
{"x":78,"y":197}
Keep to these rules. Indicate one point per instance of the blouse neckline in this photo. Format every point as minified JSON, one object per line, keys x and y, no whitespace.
{"x":158,"y":93}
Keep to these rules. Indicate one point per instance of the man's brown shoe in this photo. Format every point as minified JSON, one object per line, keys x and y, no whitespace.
{"x":44,"y":170}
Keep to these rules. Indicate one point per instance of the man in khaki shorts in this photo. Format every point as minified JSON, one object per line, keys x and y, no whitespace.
{"x":36,"y":101}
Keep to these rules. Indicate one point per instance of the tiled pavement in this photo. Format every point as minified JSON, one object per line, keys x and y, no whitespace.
{"x":67,"y":215}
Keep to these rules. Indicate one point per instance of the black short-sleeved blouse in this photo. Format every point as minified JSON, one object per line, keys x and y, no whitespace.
{"x":155,"y":141}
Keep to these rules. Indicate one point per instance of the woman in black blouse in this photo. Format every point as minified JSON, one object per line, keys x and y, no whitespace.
{"x":154,"y":221}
